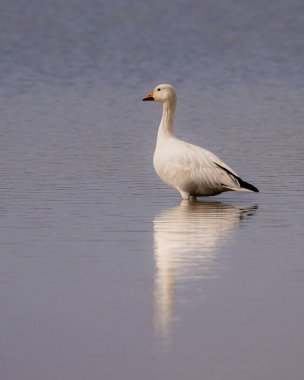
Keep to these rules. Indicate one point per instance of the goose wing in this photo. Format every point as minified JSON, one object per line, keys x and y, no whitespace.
{"x":189,"y":166}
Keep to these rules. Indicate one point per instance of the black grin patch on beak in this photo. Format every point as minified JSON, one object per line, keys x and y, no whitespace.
{"x":147,"y":98}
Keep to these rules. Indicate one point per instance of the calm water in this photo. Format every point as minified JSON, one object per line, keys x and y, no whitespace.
{"x":104,"y":274}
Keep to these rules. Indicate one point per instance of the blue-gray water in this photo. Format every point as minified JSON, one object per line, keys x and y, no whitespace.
{"x":103,"y":274}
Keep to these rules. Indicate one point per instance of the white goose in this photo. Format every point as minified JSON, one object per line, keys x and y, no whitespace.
{"x":191,"y":170}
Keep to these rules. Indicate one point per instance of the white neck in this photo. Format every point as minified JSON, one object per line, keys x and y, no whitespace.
{"x":166,"y":126}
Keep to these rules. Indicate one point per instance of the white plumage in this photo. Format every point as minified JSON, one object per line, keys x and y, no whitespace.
{"x":191,"y":170}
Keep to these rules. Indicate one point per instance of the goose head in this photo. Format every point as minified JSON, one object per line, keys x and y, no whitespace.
{"x":161,"y":93}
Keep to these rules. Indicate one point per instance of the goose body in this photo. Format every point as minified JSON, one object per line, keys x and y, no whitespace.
{"x":190,"y":169}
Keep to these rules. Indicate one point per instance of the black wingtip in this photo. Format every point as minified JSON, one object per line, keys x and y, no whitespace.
{"x":246,"y":185}
{"x":243,"y":184}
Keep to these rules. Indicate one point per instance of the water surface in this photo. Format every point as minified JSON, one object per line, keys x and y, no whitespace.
{"x":104,"y":273}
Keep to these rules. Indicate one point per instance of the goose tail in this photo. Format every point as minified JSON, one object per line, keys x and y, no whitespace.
{"x":244,"y":186}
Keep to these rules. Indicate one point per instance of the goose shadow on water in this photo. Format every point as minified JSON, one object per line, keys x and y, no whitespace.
{"x":187,"y":242}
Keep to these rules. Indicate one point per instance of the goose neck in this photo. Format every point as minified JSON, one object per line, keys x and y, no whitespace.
{"x":167,"y":121}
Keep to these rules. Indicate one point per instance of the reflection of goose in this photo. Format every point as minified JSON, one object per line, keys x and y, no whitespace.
{"x":186,"y":243}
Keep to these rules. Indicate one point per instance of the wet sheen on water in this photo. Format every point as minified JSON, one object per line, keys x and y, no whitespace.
{"x":105,"y":274}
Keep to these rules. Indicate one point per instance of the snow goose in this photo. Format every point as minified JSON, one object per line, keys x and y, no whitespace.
{"x":190,"y":169}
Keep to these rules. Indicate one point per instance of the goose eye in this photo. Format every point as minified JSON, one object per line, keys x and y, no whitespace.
{"x":158,"y":89}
